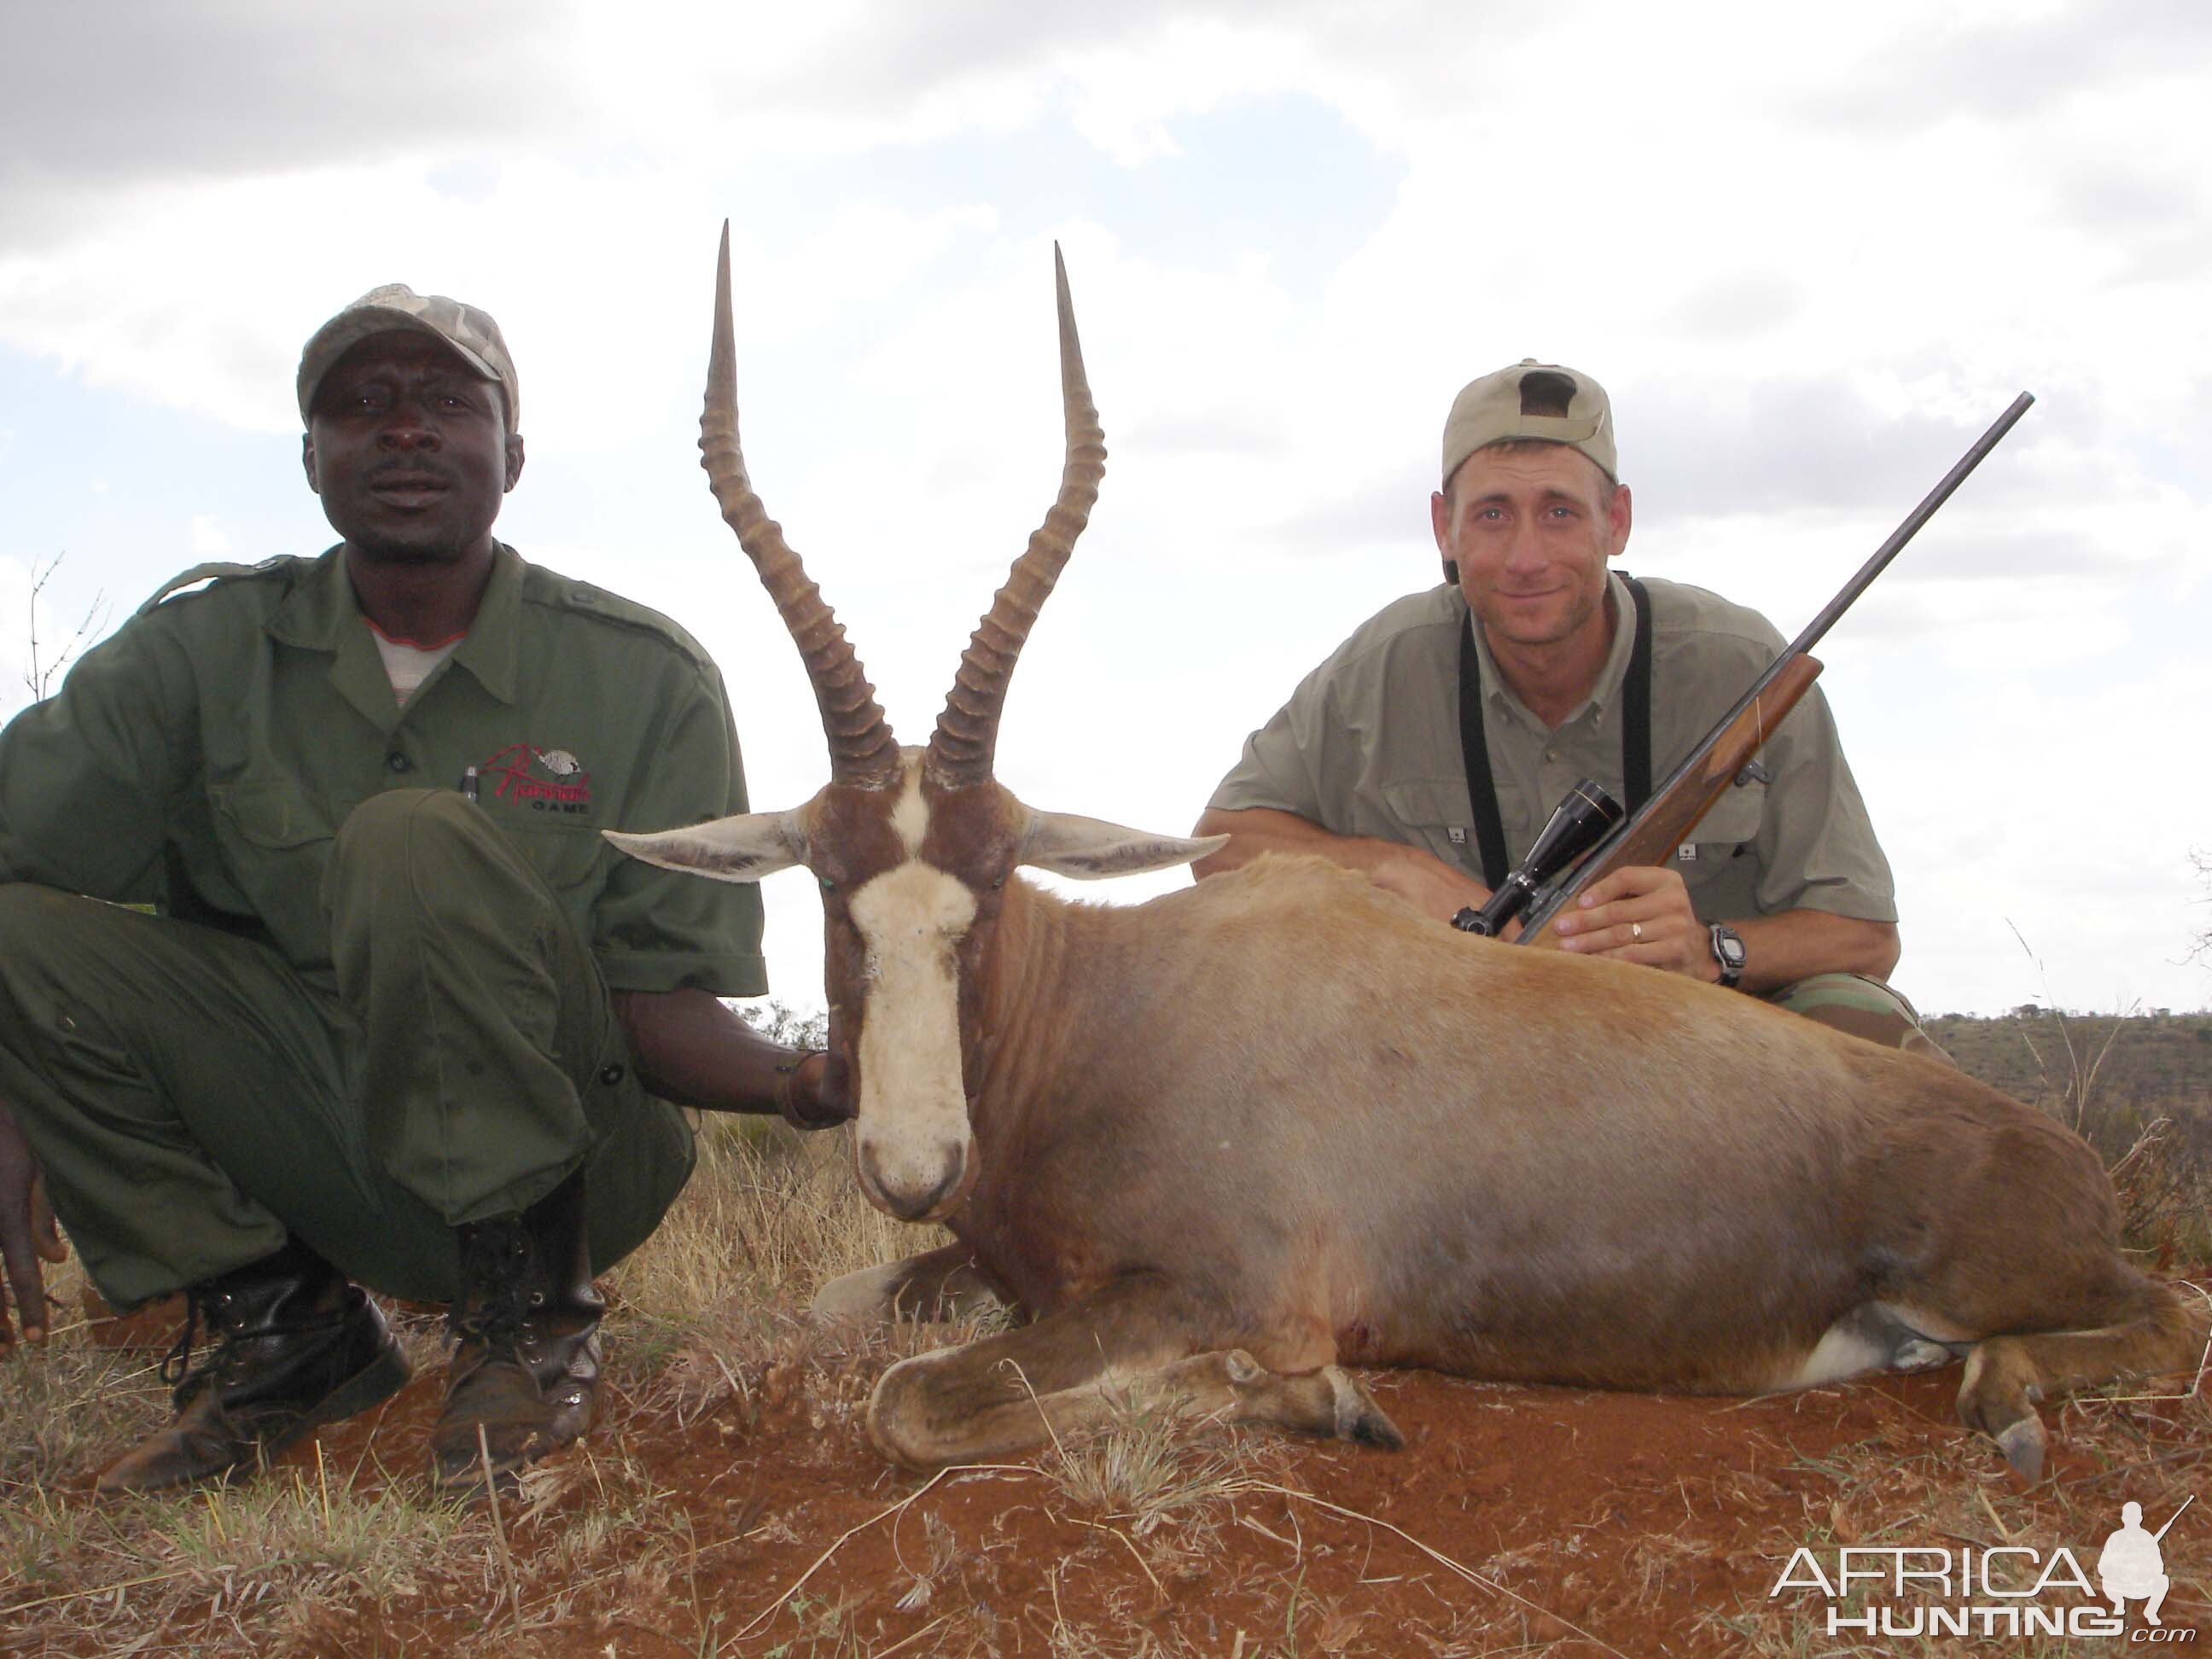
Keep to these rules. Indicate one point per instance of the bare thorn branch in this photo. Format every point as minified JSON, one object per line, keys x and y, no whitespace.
{"x":41,"y":677}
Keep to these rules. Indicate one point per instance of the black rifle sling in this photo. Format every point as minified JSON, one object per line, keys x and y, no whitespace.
{"x":1636,"y":703}
{"x":1474,"y":750}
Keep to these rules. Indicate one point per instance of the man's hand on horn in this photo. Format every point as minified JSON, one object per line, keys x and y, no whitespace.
{"x":1639,"y":913}
{"x":27,"y":1233}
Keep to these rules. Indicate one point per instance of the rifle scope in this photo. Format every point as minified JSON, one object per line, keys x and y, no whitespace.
{"x":1578,"y":823}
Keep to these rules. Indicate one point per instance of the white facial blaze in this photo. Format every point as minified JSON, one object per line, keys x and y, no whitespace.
{"x":912,"y":1124}
{"x":910,"y":817}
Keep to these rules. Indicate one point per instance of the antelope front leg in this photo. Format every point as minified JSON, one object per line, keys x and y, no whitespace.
{"x":941,"y":1283}
{"x":1129,"y":1344}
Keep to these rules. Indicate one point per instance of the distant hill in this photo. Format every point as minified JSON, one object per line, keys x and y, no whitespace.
{"x":2134,"y":1064}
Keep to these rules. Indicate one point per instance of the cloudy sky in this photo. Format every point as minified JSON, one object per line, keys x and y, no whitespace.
{"x":1812,"y":253}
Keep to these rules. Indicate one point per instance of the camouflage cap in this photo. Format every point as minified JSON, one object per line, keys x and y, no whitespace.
{"x":1500,"y":406}
{"x":465,"y":330}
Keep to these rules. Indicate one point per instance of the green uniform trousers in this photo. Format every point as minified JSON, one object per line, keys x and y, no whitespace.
{"x":194,"y":1100}
{"x":1865,"y":1007}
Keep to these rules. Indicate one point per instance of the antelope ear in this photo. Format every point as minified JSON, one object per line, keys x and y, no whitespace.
{"x":743,"y":848}
{"x":1089,"y":848}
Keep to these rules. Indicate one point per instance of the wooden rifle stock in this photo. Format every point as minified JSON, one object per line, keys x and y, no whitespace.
{"x":1665,"y":820}
{"x":1651,"y":835}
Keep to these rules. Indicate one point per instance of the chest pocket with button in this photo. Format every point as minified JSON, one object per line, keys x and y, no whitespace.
{"x":276,"y":841}
{"x":1726,"y":831}
{"x":1427,"y":810}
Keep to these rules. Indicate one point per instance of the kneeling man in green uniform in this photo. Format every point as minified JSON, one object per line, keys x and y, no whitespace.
{"x":1432,"y":746}
{"x":400,"y":1017}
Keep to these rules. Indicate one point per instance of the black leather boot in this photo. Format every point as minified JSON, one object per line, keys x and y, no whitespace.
{"x":526,"y":1368}
{"x":295,"y":1347}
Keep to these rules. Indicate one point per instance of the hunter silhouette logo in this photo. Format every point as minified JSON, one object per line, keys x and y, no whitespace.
{"x":2132,"y":1568}
{"x":2006,"y":1589}
{"x":544,"y":780}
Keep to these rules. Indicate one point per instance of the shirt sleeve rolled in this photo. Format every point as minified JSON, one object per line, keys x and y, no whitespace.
{"x":1285,"y":765}
{"x":663,"y":930}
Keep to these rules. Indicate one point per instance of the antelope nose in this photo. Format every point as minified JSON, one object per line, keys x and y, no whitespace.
{"x":921,"y":1189}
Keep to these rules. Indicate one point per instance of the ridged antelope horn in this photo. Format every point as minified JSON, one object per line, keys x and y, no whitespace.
{"x":961,"y":747}
{"x":862,"y":752}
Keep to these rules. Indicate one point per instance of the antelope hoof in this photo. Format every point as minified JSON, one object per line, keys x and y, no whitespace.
{"x":1919,"y":1354}
{"x":2023,"y":1444}
{"x":1358,"y":1419}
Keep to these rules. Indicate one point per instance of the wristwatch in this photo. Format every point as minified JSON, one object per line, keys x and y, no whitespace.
{"x":1728,"y":951}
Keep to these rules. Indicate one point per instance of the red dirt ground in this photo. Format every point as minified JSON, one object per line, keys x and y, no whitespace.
{"x":1584,"y":1523}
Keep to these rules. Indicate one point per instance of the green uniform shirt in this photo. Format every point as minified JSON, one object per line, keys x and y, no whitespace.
{"x":1368,"y":745}
{"x":205,"y":756}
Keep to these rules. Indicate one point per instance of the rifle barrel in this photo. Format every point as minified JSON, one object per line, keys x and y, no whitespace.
{"x":2159,"y":1536}
{"x":1905,"y":532}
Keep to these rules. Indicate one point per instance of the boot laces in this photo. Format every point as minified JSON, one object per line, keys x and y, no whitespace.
{"x":204,"y":1305}
{"x":496,"y":1300}
{"x":174,"y":1362}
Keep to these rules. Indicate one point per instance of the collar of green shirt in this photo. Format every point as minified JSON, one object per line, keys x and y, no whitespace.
{"x":320,"y":614}
{"x":1610,"y":681}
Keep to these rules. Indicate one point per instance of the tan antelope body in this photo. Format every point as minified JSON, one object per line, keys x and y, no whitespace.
{"x":1219,"y":1145}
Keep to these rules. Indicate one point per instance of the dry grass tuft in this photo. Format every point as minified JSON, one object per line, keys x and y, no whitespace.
{"x":1151,"y":1469}
{"x":2156,"y":1142}
{"x":68,"y":1403}
{"x":2164,"y":1181}
{"x":259,"y":1568}
{"x":769,"y":1215}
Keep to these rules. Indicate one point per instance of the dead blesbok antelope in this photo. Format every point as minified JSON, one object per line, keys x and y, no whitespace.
{"x":1219,"y":1145}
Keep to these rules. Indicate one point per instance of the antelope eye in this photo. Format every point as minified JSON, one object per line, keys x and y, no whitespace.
{"x":998,"y":882}
{"x":828,"y":885}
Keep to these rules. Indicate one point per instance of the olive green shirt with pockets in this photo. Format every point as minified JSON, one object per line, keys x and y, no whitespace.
{"x":204,"y":757}
{"x":1368,"y":745}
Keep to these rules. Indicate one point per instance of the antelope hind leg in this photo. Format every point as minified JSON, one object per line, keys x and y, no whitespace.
{"x":1086,"y":1365}
{"x":1329,"y":1401}
{"x":941,"y":1283}
{"x":1225,"y":1385}
{"x":2007,"y":1375}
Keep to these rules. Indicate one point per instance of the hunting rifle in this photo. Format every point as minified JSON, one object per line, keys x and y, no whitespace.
{"x":1590,"y":820}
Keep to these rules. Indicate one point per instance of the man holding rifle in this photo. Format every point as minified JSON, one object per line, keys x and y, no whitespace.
{"x":1570,"y":669}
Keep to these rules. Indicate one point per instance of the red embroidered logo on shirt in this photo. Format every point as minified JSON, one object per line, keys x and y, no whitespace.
{"x":548,"y":779}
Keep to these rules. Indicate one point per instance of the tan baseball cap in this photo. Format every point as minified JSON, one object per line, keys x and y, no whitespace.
{"x":1495,"y":408}
{"x":467,"y":330}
